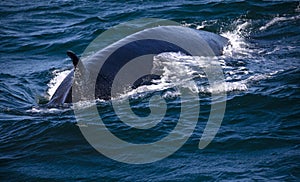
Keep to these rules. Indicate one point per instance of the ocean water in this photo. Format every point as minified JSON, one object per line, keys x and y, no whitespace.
{"x":259,"y":138}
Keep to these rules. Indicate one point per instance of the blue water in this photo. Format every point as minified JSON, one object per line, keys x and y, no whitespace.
{"x":259,"y":138}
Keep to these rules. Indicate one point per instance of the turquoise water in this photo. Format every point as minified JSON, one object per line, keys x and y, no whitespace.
{"x":259,"y":137}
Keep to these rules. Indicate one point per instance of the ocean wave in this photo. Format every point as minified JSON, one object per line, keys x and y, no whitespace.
{"x":278,"y":20}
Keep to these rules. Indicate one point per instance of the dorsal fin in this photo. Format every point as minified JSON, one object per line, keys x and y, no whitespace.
{"x":74,"y":58}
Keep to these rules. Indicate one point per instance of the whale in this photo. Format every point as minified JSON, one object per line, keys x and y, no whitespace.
{"x":99,"y":70}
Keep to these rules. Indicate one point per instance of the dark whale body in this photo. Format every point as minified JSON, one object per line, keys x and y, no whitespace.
{"x":150,"y":41}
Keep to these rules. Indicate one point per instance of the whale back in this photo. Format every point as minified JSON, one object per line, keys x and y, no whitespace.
{"x":98,"y":71}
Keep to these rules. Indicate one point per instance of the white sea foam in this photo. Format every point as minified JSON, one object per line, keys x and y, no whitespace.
{"x":237,"y":42}
{"x":181,"y":70}
{"x":42,"y":110}
{"x":298,"y":8}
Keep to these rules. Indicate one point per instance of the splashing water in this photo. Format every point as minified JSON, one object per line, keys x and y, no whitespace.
{"x":237,"y":44}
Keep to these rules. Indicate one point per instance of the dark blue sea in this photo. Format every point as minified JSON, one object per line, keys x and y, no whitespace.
{"x":259,"y":137}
